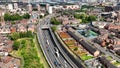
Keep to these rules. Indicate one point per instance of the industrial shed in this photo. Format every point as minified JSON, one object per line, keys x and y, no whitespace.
{"x":89,"y":48}
{"x":84,"y":44}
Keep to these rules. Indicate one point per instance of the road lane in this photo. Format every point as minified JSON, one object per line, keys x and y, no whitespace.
{"x":60,"y":58}
{"x":50,"y":51}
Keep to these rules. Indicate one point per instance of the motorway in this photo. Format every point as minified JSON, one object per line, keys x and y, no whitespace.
{"x":49,"y":47}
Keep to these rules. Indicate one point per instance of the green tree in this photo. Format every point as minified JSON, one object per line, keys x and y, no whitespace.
{"x":66,"y":13}
{"x":91,"y":18}
{"x":84,"y":20}
{"x":35,"y":9}
{"x":29,"y":34}
{"x":26,"y":16}
{"x":41,"y":16}
{"x":80,"y":10}
{"x":79,"y":16}
{"x":14,"y":36}
{"x":54,"y":21}
{"x":82,"y":16}
{"x":87,"y":6}
{"x":18,"y":35}
{"x":16,"y":45}
{"x":14,"y":17}
{"x":13,"y":22}
{"x":76,"y":48}
{"x":22,"y":35}
{"x":7,"y":17}
{"x":54,"y":28}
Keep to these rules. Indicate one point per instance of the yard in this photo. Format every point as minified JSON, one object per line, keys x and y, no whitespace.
{"x":72,"y":45}
{"x":86,"y":57}
{"x":28,"y":52}
{"x":64,"y":35}
{"x":117,"y":64}
{"x":114,"y":62}
{"x":109,"y":58}
{"x":70,"y":42}
{"x":27,"y":48}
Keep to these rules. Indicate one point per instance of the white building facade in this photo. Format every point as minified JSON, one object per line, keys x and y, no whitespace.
{"x":50,"y":11}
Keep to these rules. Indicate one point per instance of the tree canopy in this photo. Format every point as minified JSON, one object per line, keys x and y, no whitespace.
{"x":80,"y":10}
{"x":14,"y":17}
{"x":85,"y":18}
{"x":16,"y":45}
{"x":17,"y":35}
{"x":54,"y":28}
{"x":79,"y":16}
{"x":91,"y":18}
{"x":54,"y":21}
{"x":87,"y":6}
{"x":26,"y":16}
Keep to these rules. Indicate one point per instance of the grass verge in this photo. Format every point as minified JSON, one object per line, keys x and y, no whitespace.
{"x":86,"y":57}
{"x":28,"y":52}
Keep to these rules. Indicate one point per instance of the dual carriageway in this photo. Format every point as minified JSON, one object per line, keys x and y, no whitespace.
{"x":56,"y":56}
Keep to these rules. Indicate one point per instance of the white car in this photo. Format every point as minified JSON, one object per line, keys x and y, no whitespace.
{"x":47,"y":42}
{"x":56,"y":52}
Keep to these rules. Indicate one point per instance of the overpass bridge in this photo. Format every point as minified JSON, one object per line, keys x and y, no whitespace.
{"x":45,"y":27}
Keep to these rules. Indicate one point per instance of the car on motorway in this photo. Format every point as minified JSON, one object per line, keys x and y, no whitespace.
{"x":47,"y":42}
{"x":56,"y":52}
{"x":55,"y":48}
{"x":47,"y":48}
{"x":56,"y":63}
{"x":65,"y":64}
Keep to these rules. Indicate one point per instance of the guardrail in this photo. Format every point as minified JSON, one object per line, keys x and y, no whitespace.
{"x":41,"y":43}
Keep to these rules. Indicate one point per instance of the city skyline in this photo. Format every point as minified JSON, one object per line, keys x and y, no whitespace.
{"x":86,"y":1}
